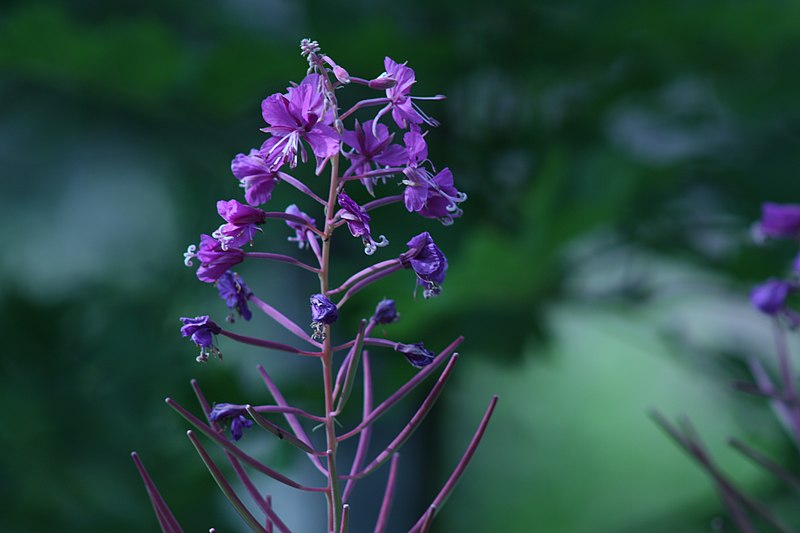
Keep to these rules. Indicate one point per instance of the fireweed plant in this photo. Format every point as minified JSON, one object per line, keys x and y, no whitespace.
{"x":772,"y":297}
{"x":306,"y":120}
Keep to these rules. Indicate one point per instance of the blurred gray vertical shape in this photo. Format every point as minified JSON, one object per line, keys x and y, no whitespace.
{"x":102,"y":214}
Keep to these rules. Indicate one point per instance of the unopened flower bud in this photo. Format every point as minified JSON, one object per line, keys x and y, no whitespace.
{"x":382,"y":83}
{"x":386,"y":312}
{"x":416,"y":354}
{"x":341,"y":74}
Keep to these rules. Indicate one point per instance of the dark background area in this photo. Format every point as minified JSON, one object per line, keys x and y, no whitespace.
{"x":614,"y":156}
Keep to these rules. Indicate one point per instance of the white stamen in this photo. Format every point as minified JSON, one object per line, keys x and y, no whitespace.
{"x":189,"y":254}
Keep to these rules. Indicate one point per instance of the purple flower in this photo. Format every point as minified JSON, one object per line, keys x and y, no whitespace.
{"x":235,"y":413}
{"x":302,"y":234}
{"x":235,"y":292}
{"x":358,"y":223}
{"x":323,"y":310}
{"x":242,"y":223}
{"x":428,"y":263}
{"x":214,"y":260}
{"x":299,"y":114}
{"x":255,"y":176}
{"x":372,"y":145}
{"x":386,"y":312}
{"x":770,"y":297}
{"x":416,"y":354}
{"x":430,"y":196}
{"x":404,"y":111}
{"x":201,"y":329}
{"x":780,"y":220}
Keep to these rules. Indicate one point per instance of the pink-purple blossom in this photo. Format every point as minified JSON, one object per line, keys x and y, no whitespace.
{"x":256,"y":177}
{"x":371,"y":148}
{"x":214,"y":259}
{"x":432,"y":196}
{"x":302,"y":235}
{"x":242,"y":223}
{"x":299,"y":115}
{"x":404,"y":110}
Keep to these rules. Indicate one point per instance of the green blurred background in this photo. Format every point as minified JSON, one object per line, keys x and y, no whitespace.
{"x":615,"y":155}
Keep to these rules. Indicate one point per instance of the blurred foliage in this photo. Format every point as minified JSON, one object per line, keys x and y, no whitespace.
{"x":656,"y":125}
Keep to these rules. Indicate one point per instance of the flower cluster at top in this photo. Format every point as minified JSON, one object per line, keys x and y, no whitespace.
{"x":375,"y":149}
{"x":778,"y":221}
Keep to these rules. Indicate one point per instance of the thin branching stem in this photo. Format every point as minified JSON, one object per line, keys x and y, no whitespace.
{"x":366,"y":434}
{"x":167,"y":520}
{"x":412,"y":424}
{"x":766,"y":463}
{"x":388,"y":496}
{"x":294,"y":423}
{"x":213,"y":435}
{"x":264,"y":343}
{"x":281,"y":259}
{"x":400,"y":393}
{"x":361,"y":274}
{"x":285,"y":322}
{"x":223,"y":484}
{"x":424,"y":522}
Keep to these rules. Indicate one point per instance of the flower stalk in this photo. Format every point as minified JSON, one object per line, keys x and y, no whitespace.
{"x":302,"y":122}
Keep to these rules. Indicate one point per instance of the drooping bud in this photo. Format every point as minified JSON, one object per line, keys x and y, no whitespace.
{"x":235,"y":292}
{"x":202,"y":329}
{"x":770,"y":297}
{"x":235,"y":413}
{"x":428,"y":263}
{"x":386,"y":312}
{"x":416,"y":354}
{"x":323,"y":312}
{"x":382,"y":82}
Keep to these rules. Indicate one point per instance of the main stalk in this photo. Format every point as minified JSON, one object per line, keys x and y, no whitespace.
{"x":333,"y":494}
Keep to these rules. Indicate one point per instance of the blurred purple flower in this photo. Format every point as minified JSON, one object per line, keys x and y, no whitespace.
{"x":770,"y":297}
{"x":780,"y":220}
{"x":235,"y":292}
{"x":358,"y":223}
{"x":255,"y":176}
{"x":428,"y":263}
{"x":299,"y":114}
{"x":416,"y":354}
{"x":235,"y":413}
